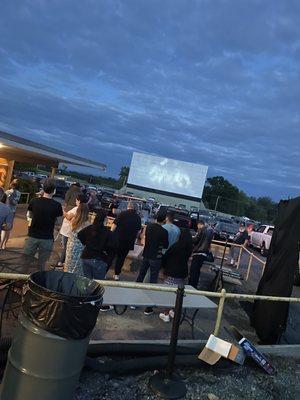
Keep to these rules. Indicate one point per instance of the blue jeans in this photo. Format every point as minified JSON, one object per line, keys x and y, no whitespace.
{"x":93,"y":268}
{"x":154,"y":266}
{"x":64,"y":242}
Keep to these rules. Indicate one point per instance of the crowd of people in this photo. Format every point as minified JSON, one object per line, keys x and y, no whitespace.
{"x":91,"y":248}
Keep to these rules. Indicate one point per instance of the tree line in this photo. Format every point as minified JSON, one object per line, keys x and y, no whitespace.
{"x":221,"y":195}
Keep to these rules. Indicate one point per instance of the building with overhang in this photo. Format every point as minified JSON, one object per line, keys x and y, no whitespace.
{"x":14,"y":148}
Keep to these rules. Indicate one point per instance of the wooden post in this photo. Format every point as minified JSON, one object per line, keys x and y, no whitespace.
{"x":249,"y":266}
{"x":9,"y":172}
{"x":53,"y":172}
{"x":263,"y":268}
{"x":239,"y":258}
{"x":220,"y":312}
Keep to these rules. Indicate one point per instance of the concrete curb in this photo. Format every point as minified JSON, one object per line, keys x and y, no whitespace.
{"x":289,"y":350}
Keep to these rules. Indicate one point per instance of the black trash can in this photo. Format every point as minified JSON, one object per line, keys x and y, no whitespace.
{"x":59,"y":311}
{"x":64,"y":304}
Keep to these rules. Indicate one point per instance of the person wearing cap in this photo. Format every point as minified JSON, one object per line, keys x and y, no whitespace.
{"x":240,"y":238}
{"x":71,"y":196}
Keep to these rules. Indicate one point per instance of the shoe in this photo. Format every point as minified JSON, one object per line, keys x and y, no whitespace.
{"x":116,"y":277}
{"x":164,"y":317}
{"x":171,"y":313}
{"x":106,"y":308}
{"x":133,"y":307}
{"x":148,"y":311}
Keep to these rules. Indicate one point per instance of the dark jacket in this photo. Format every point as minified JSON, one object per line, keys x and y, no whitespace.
{"x":175,"y":260}
{"x":98,"y":245}
{"x":241,"y":237}
{"x":156,"y":239}
{"x":128,"y":224}
{"x":71,"y":196}
{"x":202,"y":240}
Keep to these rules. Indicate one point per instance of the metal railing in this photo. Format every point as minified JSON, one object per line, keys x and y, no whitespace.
{"x":223,"y":295}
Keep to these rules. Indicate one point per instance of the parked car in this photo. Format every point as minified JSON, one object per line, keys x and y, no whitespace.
{"x":29,"y":173}
{"x":107,"y":198}
{"x":195,"y":216}
{"x":224,"y":231}
{"x":61,"y":188}
{"x":181,"y":217}
{"x":261,"y":238}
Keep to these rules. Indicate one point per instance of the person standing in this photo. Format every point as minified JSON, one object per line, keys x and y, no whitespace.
{"x":125,"y":227}
{"x":93,"y":201}
{"x":12,"y":199}
{"x":6,"y":214}
{"x":66,"y":228}
{"x":201,"y":252}
{"x":240,"y":238}
{"x":43,"y":212}
{"x":175,"y":265}
{"x":156,"y":239}
{"x":73,"y":262}
{"x":173,"y":230}
{"x":97,"y":242}
{"x":71,"y":196}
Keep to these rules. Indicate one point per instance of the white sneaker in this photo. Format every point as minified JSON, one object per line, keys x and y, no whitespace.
{"x":164,"y":317}
{"x":171,"y":313}
{"x":116,"y":277}
{"x":106,"y":308}
{"x":133,"y":307}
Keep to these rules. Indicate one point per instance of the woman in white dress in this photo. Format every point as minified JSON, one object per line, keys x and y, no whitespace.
{"x":73,"y":262}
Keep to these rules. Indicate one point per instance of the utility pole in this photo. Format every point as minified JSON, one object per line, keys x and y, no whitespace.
{"x":217,"y":202}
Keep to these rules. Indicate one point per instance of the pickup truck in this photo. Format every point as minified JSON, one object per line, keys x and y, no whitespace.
{"x":261,"y":238}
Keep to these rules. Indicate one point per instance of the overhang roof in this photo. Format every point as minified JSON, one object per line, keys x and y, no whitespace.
{"x":24,"y":150}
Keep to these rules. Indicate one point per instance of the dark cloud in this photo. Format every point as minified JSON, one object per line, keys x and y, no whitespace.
{"x":214,"y":82}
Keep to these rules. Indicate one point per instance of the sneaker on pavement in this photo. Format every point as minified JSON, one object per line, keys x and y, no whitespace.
{"x":164,"y":317}
{"x":116,"y":277}
{"x":106,"y":308}
{"x":171,"y":313}
{"x":148,"y":311}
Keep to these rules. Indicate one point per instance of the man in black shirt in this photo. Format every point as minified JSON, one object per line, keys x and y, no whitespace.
{"x":125,"y":227}
{"x":156,"y":239}
{"x":201,"y":252}
{"x":43,"y":213}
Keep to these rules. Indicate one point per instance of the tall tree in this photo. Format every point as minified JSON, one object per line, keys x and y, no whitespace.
{"x":123,"y":175}
{"x":221,"y":194}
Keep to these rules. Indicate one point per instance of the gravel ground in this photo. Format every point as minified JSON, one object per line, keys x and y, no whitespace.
{"x":235,"y":383}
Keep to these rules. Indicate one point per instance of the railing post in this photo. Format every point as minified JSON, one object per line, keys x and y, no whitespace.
{"x":239,"y":258}
{"x":263,"y":268}
{"x":167,"y":384}
{"x":220,"y":312}
{"x":249,"y":266}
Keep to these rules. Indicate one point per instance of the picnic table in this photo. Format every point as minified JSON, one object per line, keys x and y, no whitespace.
{"x":122,"y":298}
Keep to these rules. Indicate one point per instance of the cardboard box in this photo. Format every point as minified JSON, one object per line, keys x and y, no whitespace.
{"x":216,"y":348}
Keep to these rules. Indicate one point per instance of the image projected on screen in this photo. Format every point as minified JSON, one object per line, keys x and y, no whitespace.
{"x":167,"y":175}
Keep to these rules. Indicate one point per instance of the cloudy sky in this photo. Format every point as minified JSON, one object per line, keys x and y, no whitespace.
{"x":208,"y":81}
